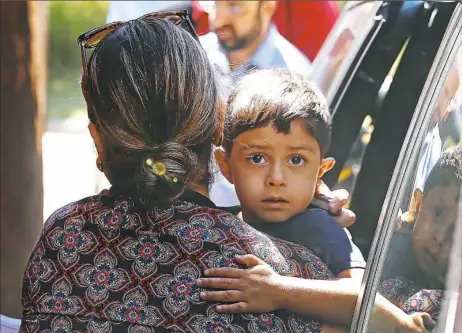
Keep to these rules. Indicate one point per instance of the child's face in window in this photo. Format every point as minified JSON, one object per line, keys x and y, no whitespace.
{"x":275,"y":174}
{"x":434,"y":230}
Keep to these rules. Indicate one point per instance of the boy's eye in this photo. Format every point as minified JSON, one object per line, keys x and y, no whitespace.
{"x":257,"y":158}
{"x":297,"y":160}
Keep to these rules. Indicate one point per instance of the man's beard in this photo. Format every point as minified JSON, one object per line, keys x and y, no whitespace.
{"x":241,"y":42}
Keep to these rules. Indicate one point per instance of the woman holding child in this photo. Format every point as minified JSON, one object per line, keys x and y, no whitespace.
{"x":128,"y":259}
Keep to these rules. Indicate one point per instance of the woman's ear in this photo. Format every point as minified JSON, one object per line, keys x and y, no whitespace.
{"x":326,"y":165}
{"x":96,"y":138}
{"x":223,"y":163}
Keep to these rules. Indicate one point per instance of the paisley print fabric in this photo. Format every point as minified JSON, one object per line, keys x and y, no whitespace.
{"x":410,"y":297}
{"x":105,"y":264}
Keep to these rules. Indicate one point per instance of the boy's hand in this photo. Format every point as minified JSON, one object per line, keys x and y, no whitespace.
{"x":254,"y":289}
{"x":418,"y":322}
{"x":337,"y":199}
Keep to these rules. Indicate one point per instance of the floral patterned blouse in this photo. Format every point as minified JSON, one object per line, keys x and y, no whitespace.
{"x":103,"y":264}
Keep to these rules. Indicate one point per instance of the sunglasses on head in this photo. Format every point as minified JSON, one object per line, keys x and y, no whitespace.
{"x":92,"y":38}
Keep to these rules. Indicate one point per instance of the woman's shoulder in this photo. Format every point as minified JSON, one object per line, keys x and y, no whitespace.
{"x":83,"y":207}
{"x":103,"y":252}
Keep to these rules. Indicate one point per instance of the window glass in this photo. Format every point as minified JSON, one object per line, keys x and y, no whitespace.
{"x":348,"y":175}
{"x":332,"y":58}
{"x":422,"y":270}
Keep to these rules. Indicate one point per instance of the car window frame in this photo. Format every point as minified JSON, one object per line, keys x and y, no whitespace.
{"x":404,"y":169}
{"x":354,"y":57}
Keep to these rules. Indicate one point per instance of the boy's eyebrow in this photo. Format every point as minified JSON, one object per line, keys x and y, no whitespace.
{"x":303,"y":148}
{"x":245,"y":147}
{"x":252,"y":146}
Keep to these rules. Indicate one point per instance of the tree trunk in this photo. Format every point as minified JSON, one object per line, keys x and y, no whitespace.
{"x":23,"y":92}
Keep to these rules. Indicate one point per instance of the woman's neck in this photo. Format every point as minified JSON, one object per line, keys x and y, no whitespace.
{"x":201,"y":189}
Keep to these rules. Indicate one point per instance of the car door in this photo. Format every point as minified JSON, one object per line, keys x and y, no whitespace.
{"x":402,"y":39}
{"x":361,"y":25}
{"x":442,"y":89}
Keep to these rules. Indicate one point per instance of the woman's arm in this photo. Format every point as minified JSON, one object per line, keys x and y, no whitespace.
{"x":335,"y":301}
{"x":260,"y":289}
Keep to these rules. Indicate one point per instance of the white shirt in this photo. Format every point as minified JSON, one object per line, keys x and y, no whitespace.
{"x":430,"y":153}
{"x":9,"y":325}
{"x":274,"y":52}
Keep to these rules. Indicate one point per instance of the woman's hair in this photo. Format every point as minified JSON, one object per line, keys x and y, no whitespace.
{"x":153,"y":95}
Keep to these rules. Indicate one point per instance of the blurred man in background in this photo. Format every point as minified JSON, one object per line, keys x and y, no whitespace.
{"x":305,"y":24}
{"x":244,"y":38}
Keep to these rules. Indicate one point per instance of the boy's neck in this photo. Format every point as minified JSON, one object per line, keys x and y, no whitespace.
{"x":252,"y":220}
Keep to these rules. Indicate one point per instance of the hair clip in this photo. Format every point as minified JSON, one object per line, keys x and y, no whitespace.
{"x":158,"y":168}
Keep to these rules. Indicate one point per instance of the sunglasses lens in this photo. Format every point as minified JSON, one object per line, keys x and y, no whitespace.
{"x":97,"y":37}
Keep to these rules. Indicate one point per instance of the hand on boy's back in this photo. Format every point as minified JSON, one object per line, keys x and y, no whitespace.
{"x":337,"y":199}
{"x":255,"y":289}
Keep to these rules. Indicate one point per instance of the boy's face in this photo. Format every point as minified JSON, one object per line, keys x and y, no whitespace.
{"x":275,"y":174}
{"x":434,"y":230}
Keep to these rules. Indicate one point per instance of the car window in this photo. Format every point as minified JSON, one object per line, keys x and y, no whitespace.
{"x":348,"y":176}
{"x":348,"y":34}
{"x":421,"y":270}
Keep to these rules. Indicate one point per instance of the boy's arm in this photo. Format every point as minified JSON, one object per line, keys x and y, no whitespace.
{"x":260,"y":289}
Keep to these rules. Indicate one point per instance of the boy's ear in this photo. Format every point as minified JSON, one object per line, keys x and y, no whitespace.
{"x":326,"y":165}
{"x":218,"y":135}
{"x":223,"y":163}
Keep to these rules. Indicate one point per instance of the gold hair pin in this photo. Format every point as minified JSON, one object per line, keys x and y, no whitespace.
{"x":158,"y":168}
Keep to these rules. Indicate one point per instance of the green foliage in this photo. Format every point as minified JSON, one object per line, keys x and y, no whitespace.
{"x":68,"y":19}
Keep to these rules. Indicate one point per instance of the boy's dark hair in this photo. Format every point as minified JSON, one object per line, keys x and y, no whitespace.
{"x":447,"y":171}
{"x":278,"y":97}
